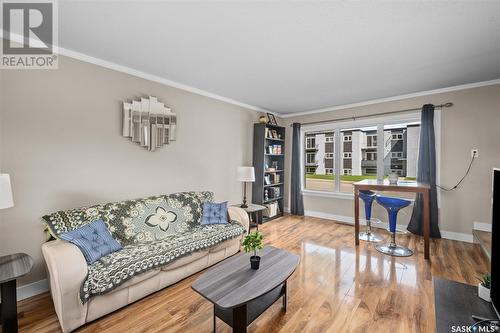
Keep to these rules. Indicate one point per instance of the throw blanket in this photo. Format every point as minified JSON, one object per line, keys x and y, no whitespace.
{"x":111,"y":271}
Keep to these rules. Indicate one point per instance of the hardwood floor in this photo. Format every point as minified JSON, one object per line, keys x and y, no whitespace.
{"x":336,"y":288}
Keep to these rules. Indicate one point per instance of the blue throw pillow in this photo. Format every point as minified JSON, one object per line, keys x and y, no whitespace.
{"x":214,"y":213}
{"x":93,"y":239}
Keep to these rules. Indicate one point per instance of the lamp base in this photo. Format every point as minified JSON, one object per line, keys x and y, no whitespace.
{"x":244,"y":205}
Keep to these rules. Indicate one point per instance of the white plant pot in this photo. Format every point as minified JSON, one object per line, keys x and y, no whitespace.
{"x":483,"y":293}
{"x":393,"y":178}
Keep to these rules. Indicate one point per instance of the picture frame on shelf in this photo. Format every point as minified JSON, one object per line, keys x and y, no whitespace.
{"x":267,"y":180}
{"x":271,"y":119}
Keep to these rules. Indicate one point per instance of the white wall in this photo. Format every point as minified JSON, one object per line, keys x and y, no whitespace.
{"x":472,"y":122}
{"x":60,"y":140}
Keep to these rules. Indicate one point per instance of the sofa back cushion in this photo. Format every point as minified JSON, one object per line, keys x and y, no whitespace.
{"x":136,"y":221}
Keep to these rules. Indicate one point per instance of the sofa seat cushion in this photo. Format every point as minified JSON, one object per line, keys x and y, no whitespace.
{"x":139,"y":278}
{"x":116,"y":268}
{"x":185,"y":260}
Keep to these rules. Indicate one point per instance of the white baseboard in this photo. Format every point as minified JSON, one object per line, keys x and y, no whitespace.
{"x":482,"y":226}
{"x":384,"y":225}
{"x":458,"y":236}
{"x":32,"y":289}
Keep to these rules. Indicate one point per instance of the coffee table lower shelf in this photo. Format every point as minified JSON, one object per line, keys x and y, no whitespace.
{"x":245,"y":314}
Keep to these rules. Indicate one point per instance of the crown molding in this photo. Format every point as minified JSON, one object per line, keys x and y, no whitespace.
{"x":150,"y":77}
{"x":393,"y":98}
{"x":143,"y":75}
{"x":161,"y":80}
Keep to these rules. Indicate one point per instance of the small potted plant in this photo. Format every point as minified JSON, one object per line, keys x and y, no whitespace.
{"x":483,"y":289}
{"x":252,"y":243}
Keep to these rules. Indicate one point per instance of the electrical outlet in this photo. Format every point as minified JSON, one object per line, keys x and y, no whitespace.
{"x":474,"y":152}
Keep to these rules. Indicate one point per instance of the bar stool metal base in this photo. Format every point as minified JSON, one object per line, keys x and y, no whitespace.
{"x":394,"y":250}
{"x":370,"y":237}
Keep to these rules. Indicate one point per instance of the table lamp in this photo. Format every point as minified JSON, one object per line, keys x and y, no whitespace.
{"x":5,"y":192}
{"x":245,"y":174}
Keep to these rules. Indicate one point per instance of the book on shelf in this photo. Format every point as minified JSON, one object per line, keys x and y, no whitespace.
{"x":274,"y":149}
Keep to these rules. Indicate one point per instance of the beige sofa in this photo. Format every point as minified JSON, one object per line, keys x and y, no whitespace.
{"x":67,"y":270}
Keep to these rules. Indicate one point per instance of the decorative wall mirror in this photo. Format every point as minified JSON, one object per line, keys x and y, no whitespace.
{"x":149,"y":123}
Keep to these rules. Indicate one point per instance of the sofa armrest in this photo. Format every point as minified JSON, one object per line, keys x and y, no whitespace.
{"x":67,"y":270}
{"x":239,"y":215}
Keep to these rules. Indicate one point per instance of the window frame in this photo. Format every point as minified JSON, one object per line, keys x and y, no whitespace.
{"x":313,"y":139}
{"x":337,"y":127}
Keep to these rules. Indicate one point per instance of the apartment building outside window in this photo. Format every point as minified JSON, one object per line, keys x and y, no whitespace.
{"x":398,"y":154}
{"x":371,"y":156}
{"x":397,"y":136}
{"x":371,"y":140}
{"x":310,"y":158}
{"x":356,"y":156}
{"x":310,"y":142}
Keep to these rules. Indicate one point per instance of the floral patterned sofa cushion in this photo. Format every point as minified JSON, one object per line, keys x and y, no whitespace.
{"x":137,"y":221}
{"x":114,"y":269}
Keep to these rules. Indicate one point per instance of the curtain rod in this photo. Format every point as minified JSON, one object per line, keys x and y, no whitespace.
{"x":445,"y":105}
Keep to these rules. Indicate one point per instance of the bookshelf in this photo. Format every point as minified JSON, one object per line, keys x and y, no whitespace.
{"x":269,"y":164}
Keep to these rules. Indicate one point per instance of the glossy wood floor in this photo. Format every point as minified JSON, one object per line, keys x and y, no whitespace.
{"x":336,"y":288}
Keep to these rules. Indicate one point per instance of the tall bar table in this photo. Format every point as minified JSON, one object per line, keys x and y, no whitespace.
{"x":401,"y":186}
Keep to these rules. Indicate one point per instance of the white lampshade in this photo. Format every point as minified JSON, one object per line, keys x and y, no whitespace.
{"x":246,"y":174}
{"x":5,"y":192}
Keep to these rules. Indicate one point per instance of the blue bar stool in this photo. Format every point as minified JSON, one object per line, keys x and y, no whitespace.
{"x":393,"y":205}
{"x":369,"y":236}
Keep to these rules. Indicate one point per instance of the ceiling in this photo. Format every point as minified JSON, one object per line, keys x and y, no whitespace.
{"x":293,"y":56}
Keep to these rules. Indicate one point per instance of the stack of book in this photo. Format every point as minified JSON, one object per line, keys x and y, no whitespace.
{"x":274,"y":149}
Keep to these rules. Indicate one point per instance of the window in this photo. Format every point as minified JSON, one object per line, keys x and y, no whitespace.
{"x":371,"y":140}
{"x":368,"y":148}
{"x":371,"y":156}
{"x":310,"y":170}
{"x":310,"y":158}
{"x":310,"y":142}
{"x":398,"y":172}
{"x":396,"y":154}
{"x":319,"y":164}
{"x":401,"y":151}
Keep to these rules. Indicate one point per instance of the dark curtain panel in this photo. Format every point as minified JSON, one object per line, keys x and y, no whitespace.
{"x":296,"y":203}
{"x":426,"y":173}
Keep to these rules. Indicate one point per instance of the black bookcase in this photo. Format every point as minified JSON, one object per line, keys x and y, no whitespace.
{"x":269,"y":164}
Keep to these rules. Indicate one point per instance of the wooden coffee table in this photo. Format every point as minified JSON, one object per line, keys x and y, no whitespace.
{"x":240,"y":294}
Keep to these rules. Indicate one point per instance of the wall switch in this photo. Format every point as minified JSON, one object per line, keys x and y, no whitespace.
{"x":474,"y":152}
